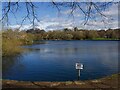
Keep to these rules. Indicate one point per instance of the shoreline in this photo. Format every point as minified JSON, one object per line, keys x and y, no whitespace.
{"x":106,"y":82}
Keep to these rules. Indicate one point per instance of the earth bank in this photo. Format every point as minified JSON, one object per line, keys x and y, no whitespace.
{"x":109,"y":82}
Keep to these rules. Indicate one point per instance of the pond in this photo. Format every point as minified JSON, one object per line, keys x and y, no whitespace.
{"x":55,"y":61}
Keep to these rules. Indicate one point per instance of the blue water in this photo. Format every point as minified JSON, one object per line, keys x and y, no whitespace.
{"x":55,"y":61}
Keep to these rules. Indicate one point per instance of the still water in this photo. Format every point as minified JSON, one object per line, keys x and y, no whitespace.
{"x":55,"y":61}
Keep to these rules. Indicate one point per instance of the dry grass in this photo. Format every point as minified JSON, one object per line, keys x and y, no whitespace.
{"x":10,"y":47}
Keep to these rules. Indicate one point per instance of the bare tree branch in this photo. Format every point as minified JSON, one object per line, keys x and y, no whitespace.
{"x":31,"y":10}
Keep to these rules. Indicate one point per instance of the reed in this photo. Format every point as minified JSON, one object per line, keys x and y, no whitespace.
{"x":10,"y":47}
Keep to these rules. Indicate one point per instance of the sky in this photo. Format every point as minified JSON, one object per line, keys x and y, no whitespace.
{"x":51,"y":19}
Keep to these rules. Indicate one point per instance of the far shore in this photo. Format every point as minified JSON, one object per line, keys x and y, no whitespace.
{"x":106,"y":82}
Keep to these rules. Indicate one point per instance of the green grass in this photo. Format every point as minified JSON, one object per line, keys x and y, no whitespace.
{"x":105,"y":39}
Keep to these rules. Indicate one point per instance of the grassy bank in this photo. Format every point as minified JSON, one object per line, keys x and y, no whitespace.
{"x":107,"y":82}
{"x":105,"y":39}
{"x":12,"y":40}
{"x":10,"y":47}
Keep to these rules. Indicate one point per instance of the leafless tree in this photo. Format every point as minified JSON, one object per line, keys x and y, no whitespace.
{"x":91,"y":8}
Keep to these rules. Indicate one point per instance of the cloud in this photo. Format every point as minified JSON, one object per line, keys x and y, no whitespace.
{"x":47,"y":24}
{"x":112,"y":10}
{"x":110,"y":21}
{"x":75,"y":13}
{"x":56,"y":23}
{"x":66,"y":12}
{"x":23,"y":27}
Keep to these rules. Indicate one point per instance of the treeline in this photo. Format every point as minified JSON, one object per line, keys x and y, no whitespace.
{"x":12,"y":39}
{"x":75,"y":34}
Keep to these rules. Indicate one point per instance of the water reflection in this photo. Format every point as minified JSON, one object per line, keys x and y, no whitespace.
{"x":11,"y":62}
{"x":55,"y":61}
